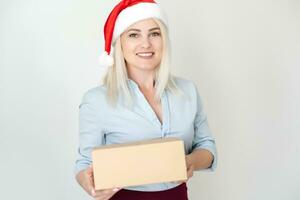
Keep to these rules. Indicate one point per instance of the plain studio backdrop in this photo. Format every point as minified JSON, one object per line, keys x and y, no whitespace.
{"x":243,"y":55}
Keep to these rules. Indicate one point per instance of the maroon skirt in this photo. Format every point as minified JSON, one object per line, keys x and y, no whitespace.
{"x":177,"y":193}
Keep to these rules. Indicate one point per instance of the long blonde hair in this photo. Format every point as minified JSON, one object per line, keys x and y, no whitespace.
{"x":116,"y":78}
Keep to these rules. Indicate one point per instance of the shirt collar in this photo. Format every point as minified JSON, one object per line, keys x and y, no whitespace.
{"x":132,"y":83}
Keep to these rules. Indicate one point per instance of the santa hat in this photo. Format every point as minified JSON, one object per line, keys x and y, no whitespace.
{"x":124,"y":14}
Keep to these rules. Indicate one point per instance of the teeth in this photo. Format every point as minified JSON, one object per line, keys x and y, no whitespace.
{"x":145,"y":54}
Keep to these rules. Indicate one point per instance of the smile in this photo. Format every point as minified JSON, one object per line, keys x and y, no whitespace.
{"x":145,"y":54}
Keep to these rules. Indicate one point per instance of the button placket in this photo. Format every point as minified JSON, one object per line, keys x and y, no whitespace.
{"x":164,"y":126}
{"x":166,"y":114}
{"x":149,"y":109}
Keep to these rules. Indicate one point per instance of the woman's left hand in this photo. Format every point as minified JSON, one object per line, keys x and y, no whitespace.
{"x":189,"y":168}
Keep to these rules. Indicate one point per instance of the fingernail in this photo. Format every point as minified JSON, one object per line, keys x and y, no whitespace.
{"x":115,"y":189}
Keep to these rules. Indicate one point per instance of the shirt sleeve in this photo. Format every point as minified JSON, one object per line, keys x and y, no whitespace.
{"x":90,"y":131}
{"x":203,"y":138}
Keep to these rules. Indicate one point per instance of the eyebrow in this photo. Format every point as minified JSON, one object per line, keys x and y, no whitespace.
{"x":138,"y":30}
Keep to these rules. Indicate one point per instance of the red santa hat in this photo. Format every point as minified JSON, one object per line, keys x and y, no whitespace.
{"x":124,"y":14}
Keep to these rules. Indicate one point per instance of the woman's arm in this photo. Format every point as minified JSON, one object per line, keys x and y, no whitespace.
{"x":204,"y":152}
{"x":199,"y":159}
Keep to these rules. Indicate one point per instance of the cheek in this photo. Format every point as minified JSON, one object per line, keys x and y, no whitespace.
{"x":128,"y":50}
{"x":126,"y":46}
{"x":159,"y":50}
{"x":158,"y":45}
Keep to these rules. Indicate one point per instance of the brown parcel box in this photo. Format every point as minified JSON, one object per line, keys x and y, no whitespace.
{"x":138,"y":163}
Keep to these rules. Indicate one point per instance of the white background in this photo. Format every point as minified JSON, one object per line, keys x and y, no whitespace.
{"x":243,"y":55}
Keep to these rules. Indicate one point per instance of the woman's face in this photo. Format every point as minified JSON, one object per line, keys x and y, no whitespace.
{"x":142,"y":45}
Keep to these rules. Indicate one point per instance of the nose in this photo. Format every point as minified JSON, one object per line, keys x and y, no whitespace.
{"x":145,"y":42}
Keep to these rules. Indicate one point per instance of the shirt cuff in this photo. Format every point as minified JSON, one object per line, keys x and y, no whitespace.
{"x":78,"y":167}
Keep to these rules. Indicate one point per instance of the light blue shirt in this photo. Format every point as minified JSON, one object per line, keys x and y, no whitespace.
{"x":183,"y":117}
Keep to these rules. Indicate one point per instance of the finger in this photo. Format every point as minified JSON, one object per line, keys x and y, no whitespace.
{"x":90,"y":186}
{"x":90,"y":170}
{"x":115,"y":190}
{"x":178,"y":182}
{"x":101,"y":195}
{"x":106,"y":193}
{"x":90,"y":176}
{"x":190,"y":172}
{"x":92,"y":192}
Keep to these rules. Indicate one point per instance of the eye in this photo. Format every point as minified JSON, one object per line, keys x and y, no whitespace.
{"x":133,"y":35}
{"x":155,"y":34}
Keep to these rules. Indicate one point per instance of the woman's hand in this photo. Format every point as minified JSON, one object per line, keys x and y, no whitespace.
{"x":189,"y":168}
{"x":86,"y":179}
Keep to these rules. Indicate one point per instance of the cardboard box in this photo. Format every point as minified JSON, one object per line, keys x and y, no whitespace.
{"x":138,"y":163}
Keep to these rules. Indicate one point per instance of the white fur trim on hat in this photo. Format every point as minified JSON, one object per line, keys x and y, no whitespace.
{"x":136,"y":13}
{"x":106,"y":60}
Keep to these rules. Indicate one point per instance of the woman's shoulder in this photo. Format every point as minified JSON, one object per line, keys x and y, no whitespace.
{"x":181,"y":80}
{"x":184,"y":84}
{"x":94,"y":94}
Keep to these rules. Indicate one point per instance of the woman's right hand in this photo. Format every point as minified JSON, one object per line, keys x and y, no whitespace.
{"x":85,"y":178}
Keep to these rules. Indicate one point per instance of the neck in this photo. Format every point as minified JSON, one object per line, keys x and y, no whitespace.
{"x":144,"y":79}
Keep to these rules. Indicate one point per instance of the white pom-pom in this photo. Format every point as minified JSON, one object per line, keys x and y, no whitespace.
{"x":106,"y":60}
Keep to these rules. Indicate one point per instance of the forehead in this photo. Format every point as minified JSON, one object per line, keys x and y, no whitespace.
{"x":144,"y":24}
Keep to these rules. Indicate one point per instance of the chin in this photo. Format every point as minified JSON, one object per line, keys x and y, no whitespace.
{"x":147,"y":68}
{"x":144,"y":66}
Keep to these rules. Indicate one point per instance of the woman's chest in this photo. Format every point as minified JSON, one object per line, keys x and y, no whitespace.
{"x":142,"y":122}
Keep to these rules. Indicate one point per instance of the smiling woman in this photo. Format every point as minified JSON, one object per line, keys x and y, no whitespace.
{"x":142,"y":47}
{"x":142,"y":100}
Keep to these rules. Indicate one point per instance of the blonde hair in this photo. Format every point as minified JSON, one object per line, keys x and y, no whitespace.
{"x":116,"y":78}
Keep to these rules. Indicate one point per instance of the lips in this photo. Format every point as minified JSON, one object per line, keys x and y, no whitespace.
{"x":145,"y":54}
